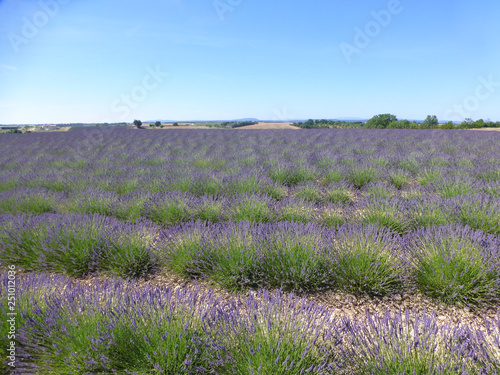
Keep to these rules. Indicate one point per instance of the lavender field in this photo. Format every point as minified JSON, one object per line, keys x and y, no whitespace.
{"x":262,"y":220}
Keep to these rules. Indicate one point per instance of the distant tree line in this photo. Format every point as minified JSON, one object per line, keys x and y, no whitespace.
{"x":217,"y":125}
{"x":470,"y":124}
{"x":388,"y":121}
{"x":327,"y":124}
{"x":157,"y":124}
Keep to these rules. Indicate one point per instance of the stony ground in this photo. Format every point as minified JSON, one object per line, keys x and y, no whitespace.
{"x":343,"y":305}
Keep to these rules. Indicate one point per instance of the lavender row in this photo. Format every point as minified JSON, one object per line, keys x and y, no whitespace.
{"x":336,"y":204}
{"x":119,"y":327}
{"x":78,"y":245}
{"x":270,"y":162}
{"x":454,"y":264}
{"x":277,"y":181}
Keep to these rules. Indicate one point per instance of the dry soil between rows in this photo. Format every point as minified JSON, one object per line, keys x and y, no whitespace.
{"x":339,"y":304}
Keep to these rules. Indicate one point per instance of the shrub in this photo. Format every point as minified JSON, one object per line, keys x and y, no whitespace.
{"x":457,"y":265}
{"x":365,"y":261}
{"x":360,"y":177}
{"x":78,"y":245}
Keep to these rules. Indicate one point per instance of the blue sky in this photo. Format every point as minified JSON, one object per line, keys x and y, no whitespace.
{"x":112,"y":61}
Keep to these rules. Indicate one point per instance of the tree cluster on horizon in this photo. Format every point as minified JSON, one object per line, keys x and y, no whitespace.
{"x":390,"y":121}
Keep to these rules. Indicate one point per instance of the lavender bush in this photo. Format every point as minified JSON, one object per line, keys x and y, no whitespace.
{"x":117,"y":174}
{"x":454,"y":264}
{"x":457,"y":264}
{"x":367,"y":212}
{"x":77,"y":245}
{"x":288,"y":255}
{"x":113,"y":326}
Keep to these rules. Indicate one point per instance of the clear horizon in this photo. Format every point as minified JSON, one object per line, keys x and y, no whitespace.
{"x":64,"y":61}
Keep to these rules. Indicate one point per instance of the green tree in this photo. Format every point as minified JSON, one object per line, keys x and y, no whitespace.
{"x":405,"y":124}
{"x":479,"y":124}
{"x":394,"y":125}
{"x":309,"y":124}
{"x":448,"y":125}
{"x":157,"y":124}
{"x":380,"y":121}
{"x":138,"y":124}
{"x":431,"y":122}
{"x":468,"y":123}
{"x":175,"y":124}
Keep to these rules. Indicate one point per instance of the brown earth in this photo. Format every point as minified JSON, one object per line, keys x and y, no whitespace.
{"x":183,"y":127}
{"x":170,"y":126}
{"x":260,"y":125}
{"x":488,"y":129}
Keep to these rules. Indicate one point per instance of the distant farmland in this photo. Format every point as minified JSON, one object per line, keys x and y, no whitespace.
{"x":270,"y":125}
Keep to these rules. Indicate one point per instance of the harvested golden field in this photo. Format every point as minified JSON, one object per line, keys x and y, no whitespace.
{"x":270,"y":125}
